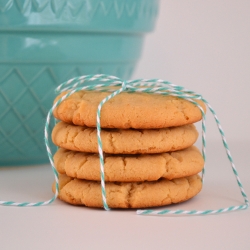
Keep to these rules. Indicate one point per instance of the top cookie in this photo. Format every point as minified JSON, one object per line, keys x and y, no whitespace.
{"x":127,"y":110}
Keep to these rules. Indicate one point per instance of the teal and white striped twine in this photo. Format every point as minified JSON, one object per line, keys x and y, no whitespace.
{"x":116,"y":86}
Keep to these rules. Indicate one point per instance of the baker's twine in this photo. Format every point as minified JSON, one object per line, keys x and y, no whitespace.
{"x":116,"y":86}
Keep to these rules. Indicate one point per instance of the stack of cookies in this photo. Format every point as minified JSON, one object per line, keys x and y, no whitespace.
{"x":149,"y":156}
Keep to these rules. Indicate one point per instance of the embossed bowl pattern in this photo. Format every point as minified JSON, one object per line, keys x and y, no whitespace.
{"x":46,"y":42}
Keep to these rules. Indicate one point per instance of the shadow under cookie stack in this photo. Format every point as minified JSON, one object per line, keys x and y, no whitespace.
{"x":148,"y":142}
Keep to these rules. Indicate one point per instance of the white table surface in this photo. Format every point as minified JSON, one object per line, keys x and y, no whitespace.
{"x":62,"y":226}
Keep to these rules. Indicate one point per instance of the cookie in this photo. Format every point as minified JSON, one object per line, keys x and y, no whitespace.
{"x":124,"y":141}
{"x":128,"y":195}
{"x":130,"y":168}
{"x":127,"y":110}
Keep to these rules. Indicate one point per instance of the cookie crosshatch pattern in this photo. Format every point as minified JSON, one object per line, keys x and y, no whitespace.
{"x":156,"y":86}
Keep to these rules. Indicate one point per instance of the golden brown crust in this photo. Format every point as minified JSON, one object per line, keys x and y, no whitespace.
{"x":129,"y":195}
{"x":122,"y":141}
{"x":127,"y":110}
{"x":130,"y":168}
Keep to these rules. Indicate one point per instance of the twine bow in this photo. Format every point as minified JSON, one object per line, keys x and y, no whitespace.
{"x":115,"y":86}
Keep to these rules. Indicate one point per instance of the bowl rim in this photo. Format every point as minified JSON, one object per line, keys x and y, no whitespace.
{"x":90,"y":15}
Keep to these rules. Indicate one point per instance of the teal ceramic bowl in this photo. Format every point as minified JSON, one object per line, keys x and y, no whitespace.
{"x":46,"y":42}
